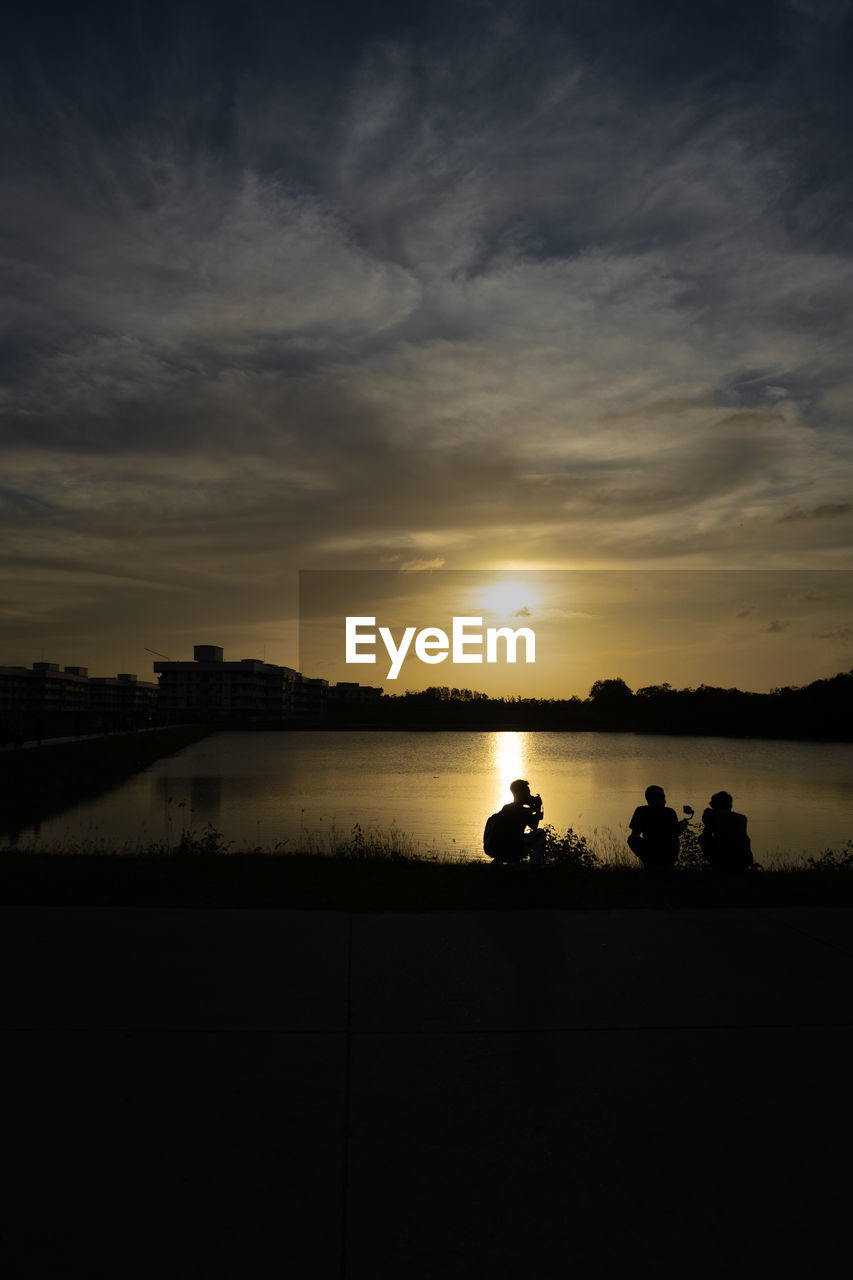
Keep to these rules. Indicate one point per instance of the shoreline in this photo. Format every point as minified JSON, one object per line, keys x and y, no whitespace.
{"x":42,"y":782}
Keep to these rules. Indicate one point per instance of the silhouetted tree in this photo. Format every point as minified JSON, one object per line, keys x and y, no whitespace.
{"x":608,"y":691}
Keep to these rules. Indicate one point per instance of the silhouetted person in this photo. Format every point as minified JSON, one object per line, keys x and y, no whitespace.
{"x":724,"y":840}
{"x":507,"y":838}
{"x":654,"y":831}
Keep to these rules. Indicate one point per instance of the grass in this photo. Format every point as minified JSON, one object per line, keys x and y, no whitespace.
{"x":373,"y":871}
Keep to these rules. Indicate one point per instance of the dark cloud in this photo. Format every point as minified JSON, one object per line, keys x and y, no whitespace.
{"x":16,"y":505}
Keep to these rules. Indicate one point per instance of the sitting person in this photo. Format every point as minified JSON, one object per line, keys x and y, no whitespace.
{"x":654,"y":831}
{"x":724,"y":840}
{"x":507,"y":838}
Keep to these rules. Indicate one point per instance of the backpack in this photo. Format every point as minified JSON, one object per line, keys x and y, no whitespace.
{"x":500,"y":835}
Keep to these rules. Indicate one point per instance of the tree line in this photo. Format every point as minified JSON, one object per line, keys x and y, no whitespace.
{"x":820,"y":710}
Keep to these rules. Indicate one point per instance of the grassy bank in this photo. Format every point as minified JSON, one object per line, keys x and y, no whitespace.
{"x":42,"y":781}
{"x":310,"y":881}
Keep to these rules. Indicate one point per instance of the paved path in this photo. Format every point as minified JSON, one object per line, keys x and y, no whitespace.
{"x":31,"y":743}
{"x":497,"y":1094}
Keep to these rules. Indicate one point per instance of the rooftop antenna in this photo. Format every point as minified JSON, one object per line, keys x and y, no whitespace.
{"x":156,"y":654}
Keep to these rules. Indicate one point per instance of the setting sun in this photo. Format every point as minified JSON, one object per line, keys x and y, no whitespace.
{"x":509,"y":599}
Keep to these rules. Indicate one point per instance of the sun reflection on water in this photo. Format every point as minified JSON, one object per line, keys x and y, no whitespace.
{"x":509,"y":757}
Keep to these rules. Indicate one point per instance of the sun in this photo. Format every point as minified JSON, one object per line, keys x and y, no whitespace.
{"x":509,"y":599}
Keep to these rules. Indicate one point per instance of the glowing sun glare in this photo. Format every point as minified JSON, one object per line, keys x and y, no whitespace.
{"x":509,"y":599}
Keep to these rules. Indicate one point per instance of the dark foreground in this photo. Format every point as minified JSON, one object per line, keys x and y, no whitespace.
{"x":385,"y":1095}
{"x":390,"y":884}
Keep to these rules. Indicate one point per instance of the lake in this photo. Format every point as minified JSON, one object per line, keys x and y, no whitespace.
{"x":291,"y":789}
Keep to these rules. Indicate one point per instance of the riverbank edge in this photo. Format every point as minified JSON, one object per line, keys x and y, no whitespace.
{"x":41,"y":782}
{"x":317,"y":882}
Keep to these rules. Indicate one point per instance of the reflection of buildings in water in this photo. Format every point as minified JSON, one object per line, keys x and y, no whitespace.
{"x":190,"y":802}
{"x":205,"y":798}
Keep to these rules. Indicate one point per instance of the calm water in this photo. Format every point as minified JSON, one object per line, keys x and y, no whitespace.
{"x":438,"y":788}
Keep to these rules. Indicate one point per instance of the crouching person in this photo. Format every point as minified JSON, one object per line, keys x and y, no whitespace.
{"x":655,"y":831}
{"x":724,"y":840}
{"x":512,"y":834}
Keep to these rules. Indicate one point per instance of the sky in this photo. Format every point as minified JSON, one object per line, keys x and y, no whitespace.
{"x":738,"y":628}
{"x":519,"y":287}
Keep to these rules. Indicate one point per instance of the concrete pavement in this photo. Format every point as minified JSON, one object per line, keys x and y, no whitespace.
{"x":256,"y":1093}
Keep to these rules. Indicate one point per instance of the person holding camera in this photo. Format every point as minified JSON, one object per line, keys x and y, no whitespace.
{"x":512,"y":834}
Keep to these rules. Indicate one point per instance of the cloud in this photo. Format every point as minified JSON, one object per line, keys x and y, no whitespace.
{"x":774,"y":627}
{"x":839,"y":634}
{"x":437,"y":562}
{"x":749,"y":419}
{"x":424,"y":302}
{"x":823,"y":511}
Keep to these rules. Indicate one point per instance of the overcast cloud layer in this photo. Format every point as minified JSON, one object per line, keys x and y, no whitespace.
{"x":478,"y":285}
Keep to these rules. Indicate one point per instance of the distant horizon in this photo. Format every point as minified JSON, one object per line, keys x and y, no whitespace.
{"x":633,"y":691}
{"x":462,"y":687}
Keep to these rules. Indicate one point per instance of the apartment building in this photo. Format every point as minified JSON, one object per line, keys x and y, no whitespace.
{"x":211,"y":688}
{"x":49,"y":700}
